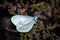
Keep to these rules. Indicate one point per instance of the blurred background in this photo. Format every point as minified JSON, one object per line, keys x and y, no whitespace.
{"x":47,"y":26}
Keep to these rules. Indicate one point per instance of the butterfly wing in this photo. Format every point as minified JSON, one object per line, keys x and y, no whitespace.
{"x":23,"y":23}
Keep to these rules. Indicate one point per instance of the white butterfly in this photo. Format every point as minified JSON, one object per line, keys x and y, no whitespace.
{"x":23,"y":23}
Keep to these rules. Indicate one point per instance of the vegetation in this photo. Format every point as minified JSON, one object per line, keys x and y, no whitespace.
{"x":47,"y":26}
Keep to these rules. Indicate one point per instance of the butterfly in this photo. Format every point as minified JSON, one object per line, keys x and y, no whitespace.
{"x":23,"y":23}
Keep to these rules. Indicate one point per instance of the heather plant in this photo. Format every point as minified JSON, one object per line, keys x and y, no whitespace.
{"x":47,"y":26}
